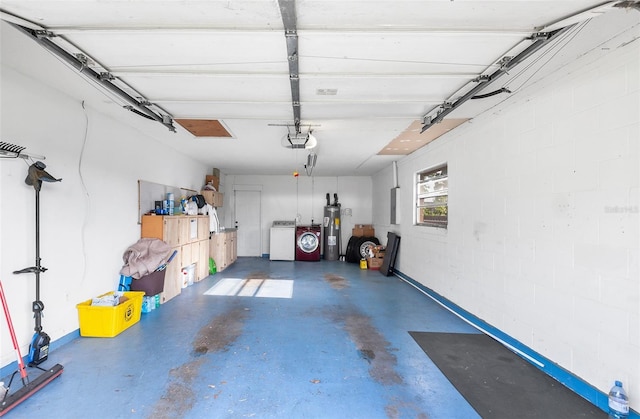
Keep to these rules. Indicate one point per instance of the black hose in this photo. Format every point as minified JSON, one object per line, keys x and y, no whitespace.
{"x":495,"y":92}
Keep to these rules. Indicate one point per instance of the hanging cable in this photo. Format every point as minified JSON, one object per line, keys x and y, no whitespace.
{"x":86,"y":192}
{"x":495,"y":92}
{"x":312,"y":191}
{"x":539,"y":41}
{"x":559,"y":47}
{"x":297,"y":200}
{"x":541,"y":56}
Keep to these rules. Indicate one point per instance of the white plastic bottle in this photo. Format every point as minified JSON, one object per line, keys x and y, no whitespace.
{"x":618,"y":402}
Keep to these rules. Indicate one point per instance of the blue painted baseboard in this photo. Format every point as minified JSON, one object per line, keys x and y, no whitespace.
{"x":568,"y":379}
{"x":12,"y":367}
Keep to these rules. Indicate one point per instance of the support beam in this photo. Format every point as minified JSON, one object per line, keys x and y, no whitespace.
{"x":288,"y":12}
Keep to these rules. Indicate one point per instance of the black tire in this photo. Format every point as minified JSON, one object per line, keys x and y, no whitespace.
{"x":363,"y":246}
{"x":350,"y":254}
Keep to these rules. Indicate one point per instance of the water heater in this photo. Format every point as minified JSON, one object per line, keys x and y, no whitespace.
{"x":331,"y":229}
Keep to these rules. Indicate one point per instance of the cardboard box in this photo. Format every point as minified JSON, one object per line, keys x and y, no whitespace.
{"x":214,"y":180}
{"x":215,"y":199}
{"x":374,"y":263}
{"x":378,"y":251}
{"x":107,"y":322}
{"x":363,"y":230}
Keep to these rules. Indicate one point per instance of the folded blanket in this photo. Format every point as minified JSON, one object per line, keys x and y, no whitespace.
{"x":144,"y":257}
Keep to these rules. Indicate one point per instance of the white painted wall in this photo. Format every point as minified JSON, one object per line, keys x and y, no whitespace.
{"x":87,"y":220}
{"x":90,"y":218}
{"x":304,"y":198}
{"x":543,"y":236}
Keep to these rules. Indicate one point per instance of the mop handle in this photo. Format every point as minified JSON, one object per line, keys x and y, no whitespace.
{"x":12,"y":332}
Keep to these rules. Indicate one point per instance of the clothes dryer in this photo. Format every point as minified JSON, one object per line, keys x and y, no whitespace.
{"x":308,"y":242}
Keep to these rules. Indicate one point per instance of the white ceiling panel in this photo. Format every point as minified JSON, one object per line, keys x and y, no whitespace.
{"x":405,"y":52}
{"x":361,"y":111}
{"x":267,"y":112}
{"x":216,"y":89}
{"x":147,"y":13}
{"x":170,"y":50}
{"x":506,"y":15}
{"x":364,"y":70}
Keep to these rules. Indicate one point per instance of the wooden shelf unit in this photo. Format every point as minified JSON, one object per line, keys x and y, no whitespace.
{"x":189,"y":235}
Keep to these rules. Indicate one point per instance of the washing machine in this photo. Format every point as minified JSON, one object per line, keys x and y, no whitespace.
{"x":308,"y":242}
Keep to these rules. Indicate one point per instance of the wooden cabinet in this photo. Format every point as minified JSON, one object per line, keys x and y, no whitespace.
{"x":213,"y":198}
{"x":188,"y":234}
{"x":223,"y":248}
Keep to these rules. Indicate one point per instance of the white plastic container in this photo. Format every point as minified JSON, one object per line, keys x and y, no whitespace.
{"x":188,"y":275}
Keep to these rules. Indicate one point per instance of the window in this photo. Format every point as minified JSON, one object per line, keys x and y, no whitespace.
{"x":432,"y":191}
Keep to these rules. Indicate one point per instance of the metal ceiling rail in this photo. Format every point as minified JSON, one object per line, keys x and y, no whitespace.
{"x":279,"y":75}
{"x":483,"y":81}
{"x":140,"y":107}
{"x":288,"y":12}
{"x":545,"y":35}
{"x":337,"y":31}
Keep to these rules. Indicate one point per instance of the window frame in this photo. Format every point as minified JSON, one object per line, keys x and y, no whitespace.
{"x":432,"y":176}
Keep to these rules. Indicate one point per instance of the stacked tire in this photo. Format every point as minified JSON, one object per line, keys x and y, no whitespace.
{"x":358,"y":248}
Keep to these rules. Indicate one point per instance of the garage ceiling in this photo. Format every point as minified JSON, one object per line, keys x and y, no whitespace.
{"x":370,"y":74}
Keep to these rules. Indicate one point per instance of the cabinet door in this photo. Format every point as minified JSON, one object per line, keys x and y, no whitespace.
{"x":229,"y":249}
{"x":187,"y":257}
{"x":203,"y":227}
{"x":203,"y":262}
{"x":224,"y":251}
{"x":185,"y":232}
{"x":217,"y":250}
{"x":171,"y":231}
{"x":215,"y":199}
{"x":172,"y":278}
{"x":152,"y":227}
{"x":214,"y":244}
{"x":195,"y":252}
{"x":233,"y":247}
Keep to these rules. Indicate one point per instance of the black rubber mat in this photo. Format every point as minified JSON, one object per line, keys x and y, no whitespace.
{"x":497,"y":383}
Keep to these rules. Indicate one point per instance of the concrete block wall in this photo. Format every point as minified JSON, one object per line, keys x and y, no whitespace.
{"x":543,"y":235}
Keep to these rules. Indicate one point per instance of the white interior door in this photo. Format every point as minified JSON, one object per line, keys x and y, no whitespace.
{"x":247,"y":220}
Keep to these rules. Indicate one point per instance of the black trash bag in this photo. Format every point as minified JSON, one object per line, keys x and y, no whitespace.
{"x":199,"y":200}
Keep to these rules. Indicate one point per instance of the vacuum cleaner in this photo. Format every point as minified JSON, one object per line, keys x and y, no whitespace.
{"x":39,"y":347}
